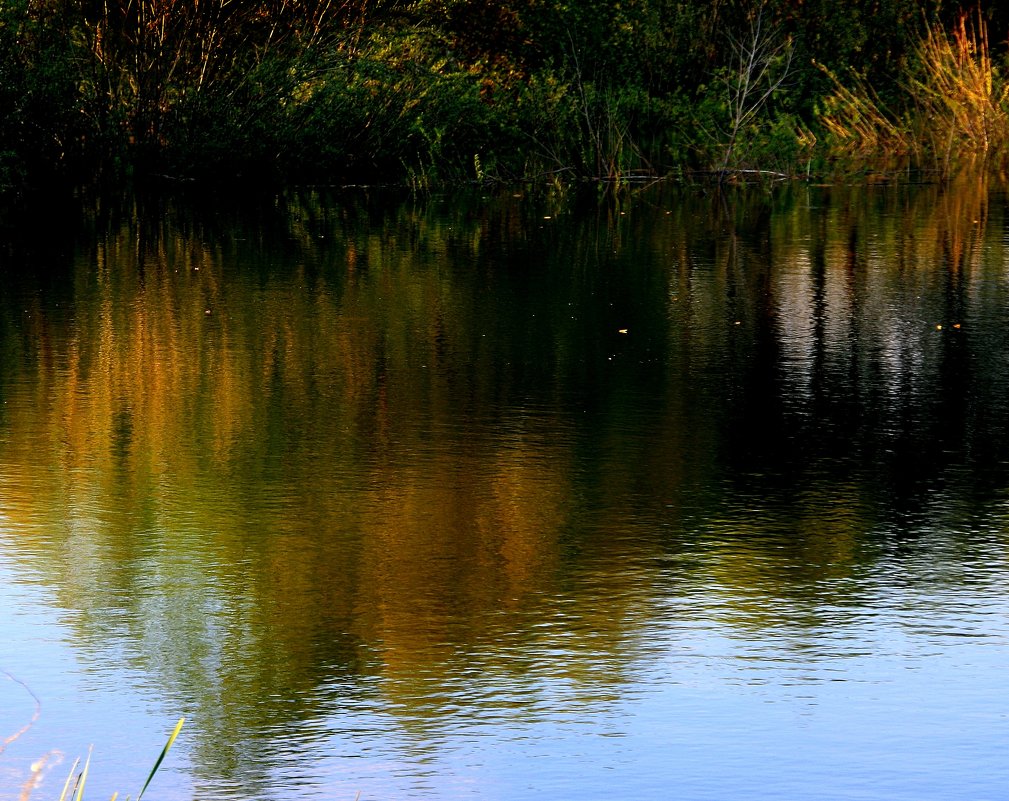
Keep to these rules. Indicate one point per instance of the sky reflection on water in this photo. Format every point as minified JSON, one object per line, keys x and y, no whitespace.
{"x":678,"y":497}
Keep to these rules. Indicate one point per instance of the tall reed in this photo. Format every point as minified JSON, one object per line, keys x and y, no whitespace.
{"x":859,"y":125}
{"x":955,"y":104}
{"x":960,"y":96}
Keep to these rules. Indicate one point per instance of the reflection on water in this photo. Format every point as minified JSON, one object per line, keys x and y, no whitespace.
{"x":670,"y":496}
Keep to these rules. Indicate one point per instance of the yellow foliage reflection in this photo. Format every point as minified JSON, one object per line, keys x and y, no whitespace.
{"x":400,"y":445}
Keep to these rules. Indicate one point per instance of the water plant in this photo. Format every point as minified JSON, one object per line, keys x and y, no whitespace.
{"x":73,"y":787}
{"x":406,"y":91}
{"x":77,"y":792}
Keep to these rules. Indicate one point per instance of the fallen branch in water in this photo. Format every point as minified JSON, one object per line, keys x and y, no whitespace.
{"x":38,"y":712}
{"x":39,"y":766}
{"x":722,"y":174}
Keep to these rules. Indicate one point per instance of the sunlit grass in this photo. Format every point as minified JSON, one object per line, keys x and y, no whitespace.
{"x":960,"y":93}
{"x":858,"y":123}
{"x":956,"y":104}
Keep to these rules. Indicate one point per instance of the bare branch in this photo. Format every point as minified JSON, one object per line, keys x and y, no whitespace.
{"x":761,"y":66}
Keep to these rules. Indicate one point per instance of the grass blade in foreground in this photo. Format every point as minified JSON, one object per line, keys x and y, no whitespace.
{"x":70,"y":776}
{"x":164,"y":751}
{"x":84,"y":777}
{"x":81,"y":779}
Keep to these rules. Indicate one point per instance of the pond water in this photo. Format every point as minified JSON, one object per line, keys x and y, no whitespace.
{"x":670,"y":494}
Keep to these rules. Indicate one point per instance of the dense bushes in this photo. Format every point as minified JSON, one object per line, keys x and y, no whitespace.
{"x":424,"y":90}
{"x":42,"y":130}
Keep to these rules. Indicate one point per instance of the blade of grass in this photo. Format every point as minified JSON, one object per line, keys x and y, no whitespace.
{"x":66,"y":784}
{"x":164,"y":751}
{"x":84,"y":776}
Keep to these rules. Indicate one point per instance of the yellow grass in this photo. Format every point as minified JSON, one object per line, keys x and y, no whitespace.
{"x":956,"y":104}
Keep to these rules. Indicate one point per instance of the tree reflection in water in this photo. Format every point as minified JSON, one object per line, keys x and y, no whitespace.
{"x":398,"y":458}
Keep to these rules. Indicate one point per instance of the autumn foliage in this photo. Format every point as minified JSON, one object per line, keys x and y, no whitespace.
{"x":432,"y":90}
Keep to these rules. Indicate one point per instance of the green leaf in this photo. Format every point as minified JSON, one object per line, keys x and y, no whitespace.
{"x":66,"y":784}
{"x":164,"y":751}
{"x":84,"y":776}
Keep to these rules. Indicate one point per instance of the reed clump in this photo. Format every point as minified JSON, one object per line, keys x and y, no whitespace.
{"x":961,"y":96}
{"x":859,"y":125}
{"x":953,"y":105}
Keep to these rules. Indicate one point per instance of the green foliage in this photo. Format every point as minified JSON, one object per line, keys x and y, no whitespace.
{"x":402,"y":104}
{"x":41,"y":128}
{"x":394,"y":90}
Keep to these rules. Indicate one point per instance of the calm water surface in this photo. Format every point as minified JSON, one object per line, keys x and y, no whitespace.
{"x":511,"y":496}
